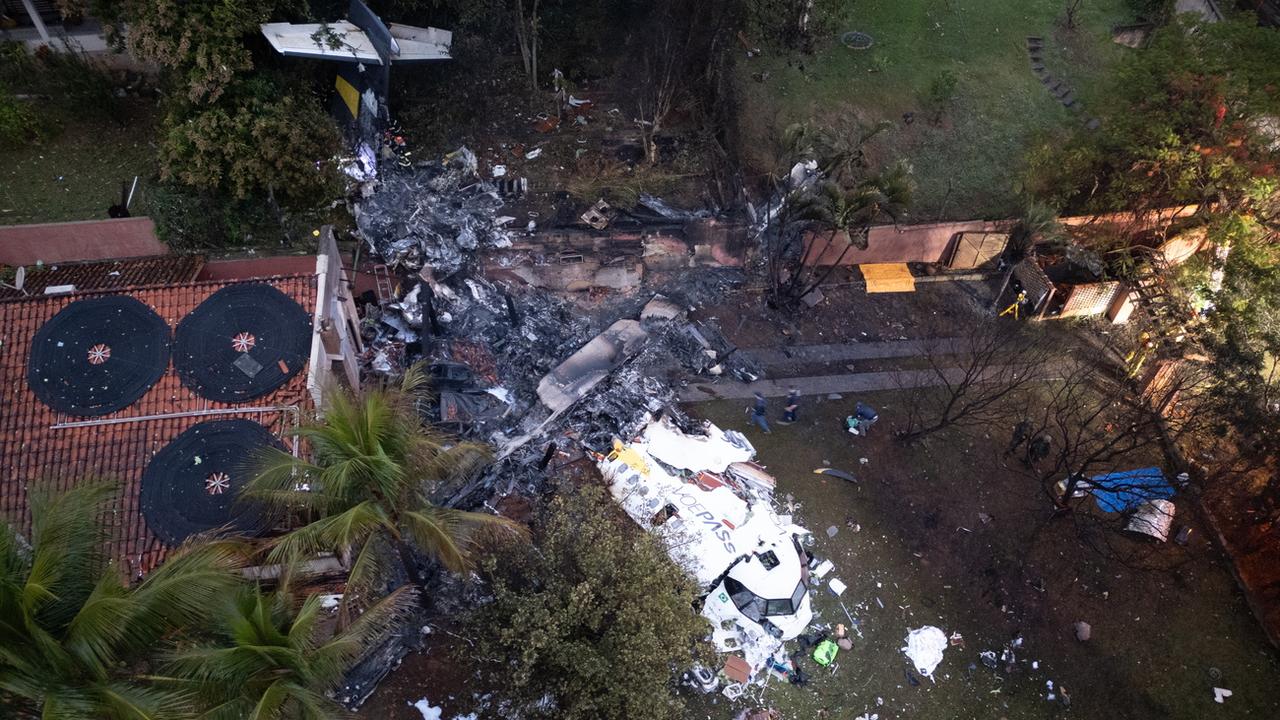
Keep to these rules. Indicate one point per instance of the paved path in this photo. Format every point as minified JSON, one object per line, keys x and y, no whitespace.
{"x":818,"y":385}
{"x":845,"y":352}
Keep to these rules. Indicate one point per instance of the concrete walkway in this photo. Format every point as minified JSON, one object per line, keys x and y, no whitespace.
{"x":845,"y":352}
{"x":818,"y":385}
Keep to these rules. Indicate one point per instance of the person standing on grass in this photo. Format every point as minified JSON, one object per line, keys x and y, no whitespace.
{"x":1021,"y":432}
{"x":789,"y":410}
{"x":759,"y":413}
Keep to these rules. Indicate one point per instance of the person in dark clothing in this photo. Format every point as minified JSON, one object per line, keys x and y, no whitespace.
{"x":1021,"y":432}
{"x":789,"y":410}
{"x":1038,"y":449}
{"x":759,"y":413}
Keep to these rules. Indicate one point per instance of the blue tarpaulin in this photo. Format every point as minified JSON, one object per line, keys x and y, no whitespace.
{"x":1125,"y":491}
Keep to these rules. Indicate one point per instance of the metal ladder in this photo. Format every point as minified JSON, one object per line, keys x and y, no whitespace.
{"x":382,"y":279}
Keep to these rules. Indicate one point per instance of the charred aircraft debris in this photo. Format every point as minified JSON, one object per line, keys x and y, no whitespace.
{"x":536,"y":374}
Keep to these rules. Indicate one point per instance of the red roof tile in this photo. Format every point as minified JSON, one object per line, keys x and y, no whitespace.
{"x":110,"y":274}
{"x":33,"y":450}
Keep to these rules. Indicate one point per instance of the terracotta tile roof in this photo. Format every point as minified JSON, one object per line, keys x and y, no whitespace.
{"x":33,"y":450}
{"x":110,"y":274}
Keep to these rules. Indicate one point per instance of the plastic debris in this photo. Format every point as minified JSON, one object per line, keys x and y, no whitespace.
{"x":925,"y":647}
{"x":837,"y":587}
{"x":1083,"y":631}
{"x":1220,"y":695}
{"x":428,"y":711}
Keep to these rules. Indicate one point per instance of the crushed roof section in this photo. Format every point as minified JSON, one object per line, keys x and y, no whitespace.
{"x":109,"y":274}
{"x":35,"y":452}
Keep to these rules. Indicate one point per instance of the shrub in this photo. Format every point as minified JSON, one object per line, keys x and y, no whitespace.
{"x":596,"y":600}
{"x":191,"y":221}
{"x":18,"y":122}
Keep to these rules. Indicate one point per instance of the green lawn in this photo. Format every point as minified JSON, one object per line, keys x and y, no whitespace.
{"x":913,"y":547}
{"x":76,"y":175}
{"x":969,"y":163}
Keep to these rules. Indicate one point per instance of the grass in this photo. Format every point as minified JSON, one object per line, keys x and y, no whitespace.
{"x":76,"y":174}
{"x":1161,"y":639}
{"x":969,"y":163}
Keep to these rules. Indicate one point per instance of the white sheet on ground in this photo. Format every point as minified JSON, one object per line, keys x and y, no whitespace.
{"x":925,"y":647}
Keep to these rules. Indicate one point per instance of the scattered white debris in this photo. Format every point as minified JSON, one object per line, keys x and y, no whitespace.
{"x":499,"y":170}
{"x":532,"y":154}
{"x":1220,"y":695}
{"x":925,"y":647}
{"x":837,"y":587}
{"x":428,"y":712}
{"x":823,"y":568}
{"x":329,"y":602}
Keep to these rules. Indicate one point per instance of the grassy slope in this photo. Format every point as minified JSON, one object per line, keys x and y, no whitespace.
{"x":76,"y":175}
{"x":1000,"y":108}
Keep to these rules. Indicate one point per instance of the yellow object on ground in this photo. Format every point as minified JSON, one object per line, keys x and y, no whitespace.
{"x":350,"y":96}
{"x":888,"y":277}
{"x":629,"y":457}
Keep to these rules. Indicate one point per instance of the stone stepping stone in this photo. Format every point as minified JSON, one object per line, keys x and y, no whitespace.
{"x":1046,"y":79}
{"x":1063,"y":92}
{"x":1033,"y":41}
{"x":1092,"y":124}
{"x":1068,"y":99}
{"x":1035,"y":56}
{"x":1038,"y":68}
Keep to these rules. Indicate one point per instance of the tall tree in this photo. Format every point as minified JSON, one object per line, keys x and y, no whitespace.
{"x":1185,"y":122}
{"x":74,"y":639}
{"x":527,"y":24}
{"x":365,"y":493}
{"x":272,"y":655}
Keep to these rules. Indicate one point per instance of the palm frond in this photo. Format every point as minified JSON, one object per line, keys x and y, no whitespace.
{"x":331,"y":534}
{"x":450,"y":535}
{"x":98,"y":631}
{"x":330,"y":660}
{"x":66,"y":556}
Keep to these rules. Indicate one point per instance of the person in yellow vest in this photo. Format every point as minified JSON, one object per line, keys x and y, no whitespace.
{"x":1134,"y":360}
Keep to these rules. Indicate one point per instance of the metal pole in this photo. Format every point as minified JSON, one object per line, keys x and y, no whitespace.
{"x":166,"y":416}
{"x":36,"y":21}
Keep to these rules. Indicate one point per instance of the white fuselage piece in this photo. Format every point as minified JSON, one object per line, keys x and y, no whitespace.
{"x":724,"y":532}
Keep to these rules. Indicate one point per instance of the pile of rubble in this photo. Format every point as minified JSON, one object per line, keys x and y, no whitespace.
{"x":529,"y":371}
{"x":434,"y":214}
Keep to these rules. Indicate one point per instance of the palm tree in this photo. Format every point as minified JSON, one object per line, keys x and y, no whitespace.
{"x":838,"y":209}
{"x":74,"y":639}
{"x":365,"y":493}
{"x":1039,"y":223}
{"x":268,"y":657}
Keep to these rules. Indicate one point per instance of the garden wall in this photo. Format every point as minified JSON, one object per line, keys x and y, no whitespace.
{"x":79,"y":241}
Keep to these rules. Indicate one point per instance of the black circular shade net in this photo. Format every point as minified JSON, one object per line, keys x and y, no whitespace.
{"x":193,"y":484}
{"x":97,"y":356}
{"x":242,"y":342}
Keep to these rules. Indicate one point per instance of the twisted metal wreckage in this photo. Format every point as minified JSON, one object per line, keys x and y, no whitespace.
{"x":548,"y":382}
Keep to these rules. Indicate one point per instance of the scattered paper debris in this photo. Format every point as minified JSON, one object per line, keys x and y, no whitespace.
{"x":1220,"y":695}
